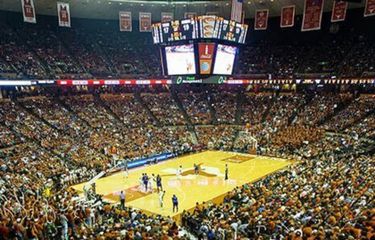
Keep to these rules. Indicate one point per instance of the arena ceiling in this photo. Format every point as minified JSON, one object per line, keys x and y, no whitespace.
{"x":108,"y":9}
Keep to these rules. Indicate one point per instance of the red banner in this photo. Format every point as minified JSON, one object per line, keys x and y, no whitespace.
{"x":312,"y":15}
{"x":369,"y":8}
{"x":63,"y":12}
{"x":166,"y":17}
{"x":28,"y":10}
{"x":190,"y":15}
{"x":287,"y":16}
{"x":125,"y":21}
{"x":261,"y":19}
{"x":339,"y":11}
{"x":206,"y":51}
{"x":145,"y":22}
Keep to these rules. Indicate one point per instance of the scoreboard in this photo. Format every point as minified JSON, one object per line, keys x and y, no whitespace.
{"x":201,"y":27}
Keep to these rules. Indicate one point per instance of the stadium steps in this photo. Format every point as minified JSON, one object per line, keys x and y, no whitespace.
{"x":31,"y":112}
{"x":102,"y":103}
{"x":190,"y":127}
{"x":211,"y":104}
{"x":234,"y":139}
{"x":358,"y":120}
{"x":73,"y":55}
{"x":138,"y":97}
{"x":300,"y":108}
{"x":181,"y":107}
{"x":29,"y":140}
{"x":67,"y":107}
{"x":239,"y":101}
{"x":267,"y":111}
{"x":341,"y":106}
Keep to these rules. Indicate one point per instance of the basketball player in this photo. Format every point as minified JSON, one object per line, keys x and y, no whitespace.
{"x":179,"y":172}
{"x":141,"y":183}
{"x":126,"y":170}
{"x":226,"y":172}
{"x":196,"y":169}
{"x":159,"y":186}
{"x":161,"y":198}
{"x":145,"y":181}
{"x":175,"y":203}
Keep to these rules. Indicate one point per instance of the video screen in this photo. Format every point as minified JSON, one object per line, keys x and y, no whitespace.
{"x":180,"y":59}
{"x":224,"y":61}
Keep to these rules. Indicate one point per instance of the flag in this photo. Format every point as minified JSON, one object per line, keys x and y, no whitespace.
{"x":236,"y":13}
{"x":63,"y":13}
{"x":28,"y":10}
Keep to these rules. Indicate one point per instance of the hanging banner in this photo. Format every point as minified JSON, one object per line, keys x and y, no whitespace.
{"x":28,"y":10}
{"x":190,"y":15}
{"x":236,"y":12}
{"x":206,"y":52}
{"x":63,"y":13}
{"x":125,"y":21}
{"x":369,"y":8}
{"x":287,"y":16}
{"x":312,"y":15}
{"x":145,"y":22}
{"x":339,"y":11}
{"x":212,"y":13}
{"x":166,"y":17}
{"x":261,"y":19}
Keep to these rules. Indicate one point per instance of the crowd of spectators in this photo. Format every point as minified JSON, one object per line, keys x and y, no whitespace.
{"x":328,"y":195}
{"x":50,"y":143}
{"x":44,"y":52}
{"x":356,"y":110}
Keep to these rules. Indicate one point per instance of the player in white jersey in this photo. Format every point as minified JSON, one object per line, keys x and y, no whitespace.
{"x":179,"y":172}
{"x":161,"y":198}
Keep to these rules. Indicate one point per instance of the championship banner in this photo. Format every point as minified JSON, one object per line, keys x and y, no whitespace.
{"x":28,"y":10}
{"x":236,"y":12}
{"x":339,"y":11}
{"x":369,"y":8}
{"x":206,"y":52}
{"x":312,"y":15}
{"x":63,"y":13}
{"x":166,"y":17}
{"x":287,"y":16}
{"x":125,"y":20}
{"x":145,"y":22}
{"x":261,"y":19}
{"x":190,"y":15}
{"x":212,"y":13}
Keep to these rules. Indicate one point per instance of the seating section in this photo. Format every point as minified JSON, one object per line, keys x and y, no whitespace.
{"x":49,"y":143}
{"x":84,"y":51}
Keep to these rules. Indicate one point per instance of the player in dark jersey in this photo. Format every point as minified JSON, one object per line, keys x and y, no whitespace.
{"x":175,"y":203}
{"x":159,"y":186}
